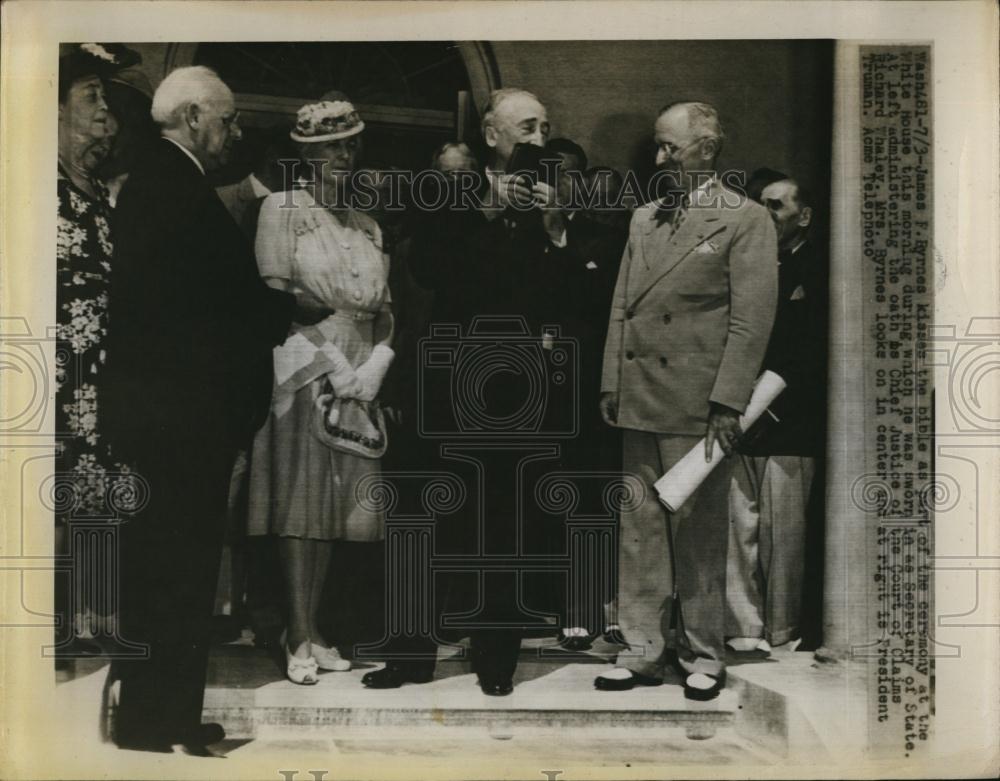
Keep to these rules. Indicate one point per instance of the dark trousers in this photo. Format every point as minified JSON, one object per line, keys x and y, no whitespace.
{"x":170,"y":564}
{"x":476,"y":586}
{"x":511,"y":524}
{"x":595,"y":458}
{"x":412,"y":643}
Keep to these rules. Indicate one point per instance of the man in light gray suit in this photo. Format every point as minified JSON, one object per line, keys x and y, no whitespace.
{"x":692,"y":313}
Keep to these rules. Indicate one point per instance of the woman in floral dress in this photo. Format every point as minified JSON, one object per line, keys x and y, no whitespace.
{"x":90,"y":483}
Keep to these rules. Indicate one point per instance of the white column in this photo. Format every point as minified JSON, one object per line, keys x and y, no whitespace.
{"x":845,"y":595}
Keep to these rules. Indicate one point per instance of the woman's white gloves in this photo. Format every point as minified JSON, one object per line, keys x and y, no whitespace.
{"x":345,"y":381}
{"x":364,"y":382}
{"x":371,"y":373}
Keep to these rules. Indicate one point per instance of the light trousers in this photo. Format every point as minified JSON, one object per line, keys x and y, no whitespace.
{"x":766,"y":568}
{"x":673,"y":563}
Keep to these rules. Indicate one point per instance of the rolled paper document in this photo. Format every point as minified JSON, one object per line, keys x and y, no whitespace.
{"x":684,"y":477}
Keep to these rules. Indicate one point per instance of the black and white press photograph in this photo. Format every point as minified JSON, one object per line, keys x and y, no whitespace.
{"x":499,"y":390}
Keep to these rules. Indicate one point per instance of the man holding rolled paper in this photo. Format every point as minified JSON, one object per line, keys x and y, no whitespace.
{"x":692,"y":313}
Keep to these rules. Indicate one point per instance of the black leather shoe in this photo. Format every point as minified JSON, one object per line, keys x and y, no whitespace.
{"x":624,"y":684}
{"x":200,"y":750}
{"x":496,"y":687}
{"x":154,"y":746}
{"x":701,"y":693}
{"x":203,"y":735}
{"x":393,"y":676}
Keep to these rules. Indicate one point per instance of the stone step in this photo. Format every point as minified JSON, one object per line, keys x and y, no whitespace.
{"x":786,"y":706}
{"x":549,"y":693}
{"x":500,"y":748}
{"x":480,"y":755}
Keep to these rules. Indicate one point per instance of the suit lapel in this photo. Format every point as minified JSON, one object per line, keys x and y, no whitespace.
{"x":650,"y":239}
{"x":662,"y":252}
{"x":244,"y":190}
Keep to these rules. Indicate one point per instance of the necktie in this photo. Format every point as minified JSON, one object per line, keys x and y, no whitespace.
{"x":673,"y":211}
{"x":680,"y":214}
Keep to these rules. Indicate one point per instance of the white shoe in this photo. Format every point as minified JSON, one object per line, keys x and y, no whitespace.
{"x":304,"y":672}
{"x":84,"y":624}
{"x":301,"y":671}
{"x":330,"y":659}
{"x":748,"y":645}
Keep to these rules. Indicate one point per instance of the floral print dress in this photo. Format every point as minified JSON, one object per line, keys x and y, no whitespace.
{"x":98,"y":485}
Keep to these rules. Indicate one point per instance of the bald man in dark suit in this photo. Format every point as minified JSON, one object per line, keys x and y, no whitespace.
{"x":190,"y":375}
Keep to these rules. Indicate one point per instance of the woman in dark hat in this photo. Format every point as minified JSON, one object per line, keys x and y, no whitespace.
{"x":130,"y":97}
{"x":86,"y":471}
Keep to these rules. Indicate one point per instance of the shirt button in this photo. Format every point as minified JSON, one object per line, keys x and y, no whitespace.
{"x":630,"y":355}
{"x":666,"y":317}
{"x":354,"y":271}
{"x":357,"y":295}
{"x":663,"y":361}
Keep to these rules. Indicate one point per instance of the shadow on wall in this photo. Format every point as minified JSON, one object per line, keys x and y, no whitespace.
{"x":631,"y":132}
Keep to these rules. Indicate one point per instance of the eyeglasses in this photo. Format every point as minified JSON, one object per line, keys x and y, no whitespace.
{"x":230,"y":121}
{"x":672,"y":150}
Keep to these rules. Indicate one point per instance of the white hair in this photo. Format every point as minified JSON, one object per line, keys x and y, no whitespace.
{"x":183,"y":87}
{"x":702,"y":118}
{"x":498,"y":97}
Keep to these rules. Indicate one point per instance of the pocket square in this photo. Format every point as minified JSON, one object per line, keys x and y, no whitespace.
{"x":798,"y":294}
{"x":591,"y":265}
{"x":706,"y":248}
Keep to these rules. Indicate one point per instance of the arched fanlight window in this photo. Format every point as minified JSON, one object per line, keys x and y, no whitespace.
{"x":413,"y":95}
{"x":402,"y":74}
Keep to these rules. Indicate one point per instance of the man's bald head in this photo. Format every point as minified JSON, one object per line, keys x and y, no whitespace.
{"x":499,"y":97}
{"x":196,"y":109}
{"x":510,"y":117}
{"x":183,"y":87}
{"x":700,"y":119}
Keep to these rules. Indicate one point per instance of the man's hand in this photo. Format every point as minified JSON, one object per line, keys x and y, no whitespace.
{"x":547,"y":199}
{"x":511,"y":190}
{"x":723,"y":425}
{"x":609,"y":408}
{"x":545,"y":196}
